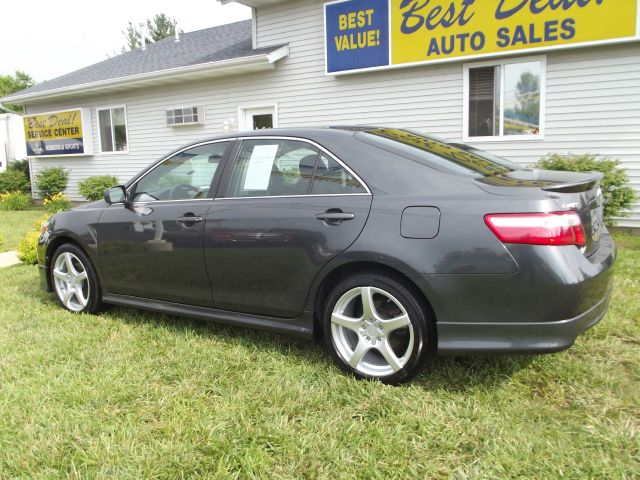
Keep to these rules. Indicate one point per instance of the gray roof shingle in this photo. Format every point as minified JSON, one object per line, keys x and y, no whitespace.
{"x":214,"y":44}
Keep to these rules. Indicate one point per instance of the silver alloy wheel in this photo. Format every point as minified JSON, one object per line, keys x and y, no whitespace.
{"x":71,"y":282}
{"x":371,"y":331}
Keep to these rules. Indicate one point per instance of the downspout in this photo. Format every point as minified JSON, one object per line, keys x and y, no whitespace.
{"x":254,"y":28}
{"x":5,"y":144}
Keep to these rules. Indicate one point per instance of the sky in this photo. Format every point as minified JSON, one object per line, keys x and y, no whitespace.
{"x":47,"y":39}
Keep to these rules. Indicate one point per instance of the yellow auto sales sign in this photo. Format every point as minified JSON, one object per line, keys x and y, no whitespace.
{"x":366,"y":34}
{"x":55,"y":133}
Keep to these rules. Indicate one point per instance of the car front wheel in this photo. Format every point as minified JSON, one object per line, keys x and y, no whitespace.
{"x":74,"y":280}
{"x":376,"y":328}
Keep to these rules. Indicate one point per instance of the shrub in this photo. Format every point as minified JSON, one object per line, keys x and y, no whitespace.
{"x":57,"y":203}
{"x":14,"y":181}
{"x":51,"y":181}
{"x":93,"y":188}
{"x":618,"y":195}
{"x":39,"y":223}
{"x":28,"y":248}
{"x":20,"y":166}
{"x":14,"y":201}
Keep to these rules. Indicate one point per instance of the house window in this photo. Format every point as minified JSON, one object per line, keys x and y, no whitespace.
{"x":504,"y":100}
{"x":112,"y":124}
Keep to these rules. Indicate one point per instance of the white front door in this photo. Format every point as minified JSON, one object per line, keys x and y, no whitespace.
{"x":258,"y":118}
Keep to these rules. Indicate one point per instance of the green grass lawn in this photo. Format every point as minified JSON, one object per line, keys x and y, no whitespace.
{"x":14,"y":225}
{"x":129,"y":394}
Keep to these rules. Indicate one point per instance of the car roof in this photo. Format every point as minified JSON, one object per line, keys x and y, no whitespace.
{"x":311,"y":133}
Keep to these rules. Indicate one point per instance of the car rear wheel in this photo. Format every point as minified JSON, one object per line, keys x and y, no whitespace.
{"x":376,"y":328}
{"x":74,"y":280}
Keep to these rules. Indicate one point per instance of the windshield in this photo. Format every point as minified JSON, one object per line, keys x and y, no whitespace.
{"x":437,"y":152}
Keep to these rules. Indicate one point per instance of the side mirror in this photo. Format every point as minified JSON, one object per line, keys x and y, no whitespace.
{"x":117,"y":194}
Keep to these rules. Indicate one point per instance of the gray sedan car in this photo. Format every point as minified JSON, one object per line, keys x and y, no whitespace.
{"x":391,"y":245}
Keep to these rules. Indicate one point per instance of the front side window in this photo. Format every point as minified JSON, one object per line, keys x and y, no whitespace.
{"x":185,"y":176}
{"x":287,"y":167}
{"x":113,"y":129}
{"x":504,"y":100}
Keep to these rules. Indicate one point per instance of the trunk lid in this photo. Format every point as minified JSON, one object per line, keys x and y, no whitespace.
{"x":573,"y":191}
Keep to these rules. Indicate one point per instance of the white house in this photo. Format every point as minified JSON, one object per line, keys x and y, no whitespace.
{"x":520,"y":81}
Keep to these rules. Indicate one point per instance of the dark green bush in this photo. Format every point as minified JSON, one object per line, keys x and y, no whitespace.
{"x":618,"y":195}
{"x":51,"y":181}
{"x":93,"y":188}
{"x":14,"y":181}
{"x":21,"y":166}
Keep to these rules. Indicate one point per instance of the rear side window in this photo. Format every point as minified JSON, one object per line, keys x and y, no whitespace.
{"x":286,"y":168}
{"x":333,"y":178}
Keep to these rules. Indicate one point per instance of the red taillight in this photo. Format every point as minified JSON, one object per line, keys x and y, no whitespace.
{"x":556,"y":228}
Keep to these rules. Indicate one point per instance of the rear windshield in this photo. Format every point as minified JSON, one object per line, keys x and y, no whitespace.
{"x":437,"y":152}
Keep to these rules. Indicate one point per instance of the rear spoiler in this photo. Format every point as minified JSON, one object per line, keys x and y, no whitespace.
{"x":576,"y":187}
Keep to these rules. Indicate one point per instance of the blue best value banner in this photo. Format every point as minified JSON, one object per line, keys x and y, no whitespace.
{"x":357,"y":34}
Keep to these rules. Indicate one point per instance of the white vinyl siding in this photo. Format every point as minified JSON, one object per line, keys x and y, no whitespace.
{"x":592,"y":101}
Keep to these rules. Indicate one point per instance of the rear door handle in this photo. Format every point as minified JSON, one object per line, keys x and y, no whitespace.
{"x":331,"y":217}
{"x":335,"y":216}
{"x":189,"y":219}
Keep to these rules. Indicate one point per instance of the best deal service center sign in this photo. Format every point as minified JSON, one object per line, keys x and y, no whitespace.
{"x":377,"y":34}
{"x":60,"y":133}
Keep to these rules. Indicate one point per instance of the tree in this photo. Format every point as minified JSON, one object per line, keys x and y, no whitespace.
{"x":134,"y":37}
{"x":159,"y":27}
{"x":14,"y":83}
{"x":528,"y":96}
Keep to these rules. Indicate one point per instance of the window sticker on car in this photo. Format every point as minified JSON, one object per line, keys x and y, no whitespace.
{"x":260,"y":166}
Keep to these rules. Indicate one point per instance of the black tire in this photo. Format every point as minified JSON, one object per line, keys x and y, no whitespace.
{"x":415,"y":346}
{"x":92,"y":293}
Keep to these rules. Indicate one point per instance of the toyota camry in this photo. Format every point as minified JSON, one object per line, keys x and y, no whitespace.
{"x":391,"y":245}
